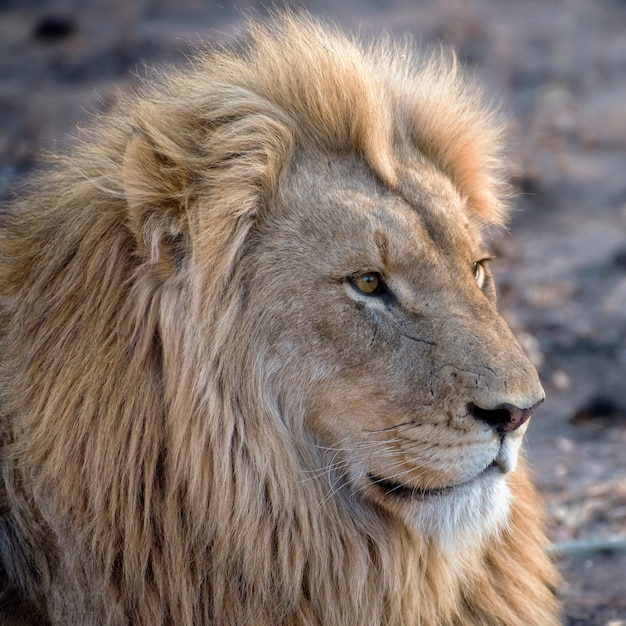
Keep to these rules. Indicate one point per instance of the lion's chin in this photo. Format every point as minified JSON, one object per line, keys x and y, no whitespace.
{"x":477,"y":508}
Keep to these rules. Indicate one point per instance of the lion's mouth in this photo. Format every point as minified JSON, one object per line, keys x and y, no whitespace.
{"x":401,"y":490}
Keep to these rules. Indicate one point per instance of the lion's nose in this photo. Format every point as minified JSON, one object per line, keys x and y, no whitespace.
{"x":504,"y":418}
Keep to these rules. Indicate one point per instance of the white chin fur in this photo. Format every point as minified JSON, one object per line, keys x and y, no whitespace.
{"x":469,"y":515}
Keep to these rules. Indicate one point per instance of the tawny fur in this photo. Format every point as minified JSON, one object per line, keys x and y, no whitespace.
{"x":152,"y":473}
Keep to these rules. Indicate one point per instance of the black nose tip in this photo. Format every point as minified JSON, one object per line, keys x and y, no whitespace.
{"x":505,"y":418}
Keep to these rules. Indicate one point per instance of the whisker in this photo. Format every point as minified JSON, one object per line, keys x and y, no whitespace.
{"x":321,"y":471}
{"x":387,"y":451}
{"x":352,"y":448}
{"x":394,"y":427}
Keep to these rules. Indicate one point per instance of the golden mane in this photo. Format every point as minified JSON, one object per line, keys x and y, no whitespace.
{"x":133,"y":403}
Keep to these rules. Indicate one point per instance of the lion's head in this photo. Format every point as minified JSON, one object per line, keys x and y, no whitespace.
{"x":254,"y":369}
{"x":377,"y":324}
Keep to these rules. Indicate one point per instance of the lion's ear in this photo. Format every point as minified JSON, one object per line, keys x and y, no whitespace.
{"x":156,"y":187}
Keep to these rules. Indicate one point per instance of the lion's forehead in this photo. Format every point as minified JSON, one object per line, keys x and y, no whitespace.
{"x":343,"y":213}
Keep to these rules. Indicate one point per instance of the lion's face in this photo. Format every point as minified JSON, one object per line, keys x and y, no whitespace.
{"x":382,"y":329}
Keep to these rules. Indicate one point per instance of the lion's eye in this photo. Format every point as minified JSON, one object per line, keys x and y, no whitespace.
{"x":370,"y":284}
{"x":480,"y":272}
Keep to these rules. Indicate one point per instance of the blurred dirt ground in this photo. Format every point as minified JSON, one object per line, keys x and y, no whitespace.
{"x":559,"y":67}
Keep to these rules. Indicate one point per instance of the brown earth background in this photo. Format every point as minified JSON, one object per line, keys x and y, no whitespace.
{"x":559,"y":69}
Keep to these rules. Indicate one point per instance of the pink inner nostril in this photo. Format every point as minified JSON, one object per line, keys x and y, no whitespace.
{"x":505,"y":418}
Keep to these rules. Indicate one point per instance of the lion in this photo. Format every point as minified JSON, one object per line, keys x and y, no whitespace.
{"x":252,"y":367}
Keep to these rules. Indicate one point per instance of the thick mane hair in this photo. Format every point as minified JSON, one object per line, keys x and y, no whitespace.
{"x":135,"y":405}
